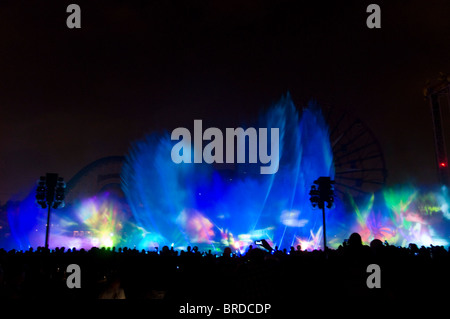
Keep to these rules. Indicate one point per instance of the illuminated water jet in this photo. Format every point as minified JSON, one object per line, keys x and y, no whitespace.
{"x":241,"y":204}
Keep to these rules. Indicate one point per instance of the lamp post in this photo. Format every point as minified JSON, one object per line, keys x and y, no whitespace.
{"x":322,"y":192}
{"x":50,"y":194}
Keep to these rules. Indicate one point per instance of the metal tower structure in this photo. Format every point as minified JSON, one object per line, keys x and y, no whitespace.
{"x":434,"y":93}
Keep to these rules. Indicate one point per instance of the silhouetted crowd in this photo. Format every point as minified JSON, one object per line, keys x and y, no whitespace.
{"x":261,"y":273}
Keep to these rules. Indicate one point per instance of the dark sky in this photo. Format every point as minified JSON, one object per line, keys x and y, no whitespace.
{"x":69,"y":97}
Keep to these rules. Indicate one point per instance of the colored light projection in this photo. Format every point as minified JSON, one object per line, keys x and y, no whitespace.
{"x":199,"y":204}
{"x":404,"y":215}
{"x":399,"y":215}
{"x":94,"y":222}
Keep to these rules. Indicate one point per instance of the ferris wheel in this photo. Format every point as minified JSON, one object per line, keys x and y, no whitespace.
{"x":360,"y":167}
{"x":100,"y":175}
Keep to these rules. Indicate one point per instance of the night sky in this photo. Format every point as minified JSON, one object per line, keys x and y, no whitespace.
{"x":71,"y":96}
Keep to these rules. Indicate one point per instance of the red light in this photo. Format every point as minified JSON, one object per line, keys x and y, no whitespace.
{"x":443,"y":164}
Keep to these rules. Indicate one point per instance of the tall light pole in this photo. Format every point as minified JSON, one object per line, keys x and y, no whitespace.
{"x":322,"y":192}
{"x":434,"y":93}
{"x":50,"y":194}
